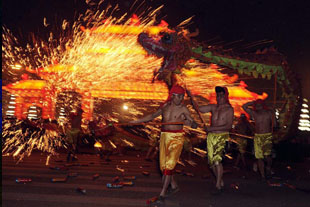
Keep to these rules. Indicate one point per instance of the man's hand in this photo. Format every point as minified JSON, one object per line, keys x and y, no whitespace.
{"x":194,"y":125}
{"x":206,"y":128}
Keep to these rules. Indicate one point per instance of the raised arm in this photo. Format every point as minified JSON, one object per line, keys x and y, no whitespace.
{"x":250,"y":126}
{"x":147,"y":118}
{"x":273,"y":119}
{"x":247,"y":109}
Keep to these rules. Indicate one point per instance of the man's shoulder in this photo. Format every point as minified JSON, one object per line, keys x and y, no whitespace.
{"x":212,"y":106}
{"x":230,"y":111}
{"x":183,"y":106}
{"x":264,"y":113}
{"x":228,"y":107}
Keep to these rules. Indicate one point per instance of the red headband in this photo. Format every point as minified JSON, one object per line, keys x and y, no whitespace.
{"x":176,"y":89}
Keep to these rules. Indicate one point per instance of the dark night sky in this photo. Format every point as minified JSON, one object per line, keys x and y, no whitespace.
{"x":287,"y":23}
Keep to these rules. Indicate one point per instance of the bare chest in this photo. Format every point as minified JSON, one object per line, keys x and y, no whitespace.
{"x":218,"y":114}
{"x":262,"y":117}
{"x":173,"y":114}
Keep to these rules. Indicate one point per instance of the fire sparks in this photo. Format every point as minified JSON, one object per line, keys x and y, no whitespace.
{"x":104,"y":61}
{"x":19,"y":140}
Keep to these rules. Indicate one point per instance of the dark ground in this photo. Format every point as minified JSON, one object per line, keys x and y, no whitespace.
{"x":242,"y":188}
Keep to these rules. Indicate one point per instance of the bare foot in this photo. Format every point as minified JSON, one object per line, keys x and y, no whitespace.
{"x":222,"y":183}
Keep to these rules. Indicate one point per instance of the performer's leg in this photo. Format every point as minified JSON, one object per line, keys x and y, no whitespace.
{"x":261,"y":167}
{"x":237,"y":160}
{"x":219,"y":175}
{"x":269,"y":164}
{"x":189,"y":155}
{"x":167,"y":181}
{"x":154,"y":153}
{"x":243,"y":159}
{"x":69,"y":155}
{"x":174,"y":184}
{"x":71,"y":152}
{"x":147,"y":157}
{"x":215,"y":172}
{"x":74,"y":145}
{"x":74,"y":152}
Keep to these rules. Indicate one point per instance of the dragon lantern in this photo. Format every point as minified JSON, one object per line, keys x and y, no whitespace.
{"x":175,"y":50}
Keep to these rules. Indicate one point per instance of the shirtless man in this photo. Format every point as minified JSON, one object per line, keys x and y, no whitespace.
{"x":73,"y":133}
{"x":263,"y":119}
{"x":218,"y":132}
{"x":243,"y":127}
{"x":153,"y":147}
{"x":171,"y":137}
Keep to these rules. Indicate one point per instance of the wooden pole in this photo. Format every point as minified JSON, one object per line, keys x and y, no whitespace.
{"x":275,"y":90}
{"x":274,"y":99}
{"x":195,"y":106}
{"x":148,"y":123}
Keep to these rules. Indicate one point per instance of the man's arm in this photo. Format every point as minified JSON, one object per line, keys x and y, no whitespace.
{"x":206,"y":108}
{"x":189,"y":121}
{"x":247,"y":109}
{"x":228,"y":124}
{"x":250,"y":126}
{"x":147,"y":117}
{"x":273,"y":119}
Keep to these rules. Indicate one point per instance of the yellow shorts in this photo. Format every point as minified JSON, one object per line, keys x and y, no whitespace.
{"x":215,"y":146}
{"x":72,"y":136}
{"x":170,"y":148}
{"x":262,"y":145}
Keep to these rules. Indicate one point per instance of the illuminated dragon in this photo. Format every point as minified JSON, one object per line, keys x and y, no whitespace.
{"x":174,"y":49}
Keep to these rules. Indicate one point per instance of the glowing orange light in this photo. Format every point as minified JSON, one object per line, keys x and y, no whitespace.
{"x":16,"y":67}
{"x":98,"y":145}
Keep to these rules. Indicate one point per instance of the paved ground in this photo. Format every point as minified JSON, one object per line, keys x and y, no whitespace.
{"x":242,"y":187}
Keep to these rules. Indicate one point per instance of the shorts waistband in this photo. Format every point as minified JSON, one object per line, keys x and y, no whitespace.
{"x":173,"y":131}
{"x":269,"y":133}
{"x":222,"y":133}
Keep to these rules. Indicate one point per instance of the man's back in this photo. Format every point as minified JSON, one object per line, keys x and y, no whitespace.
{"x":244,"y":127}
{"x":76,"y":120}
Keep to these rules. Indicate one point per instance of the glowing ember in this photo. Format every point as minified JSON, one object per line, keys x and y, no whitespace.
{"x":98,"y":145}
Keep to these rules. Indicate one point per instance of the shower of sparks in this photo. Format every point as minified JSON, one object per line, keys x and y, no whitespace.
{"x":101,"y":55}
{"x":86,"y":60}
{"x":20,"y":141}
